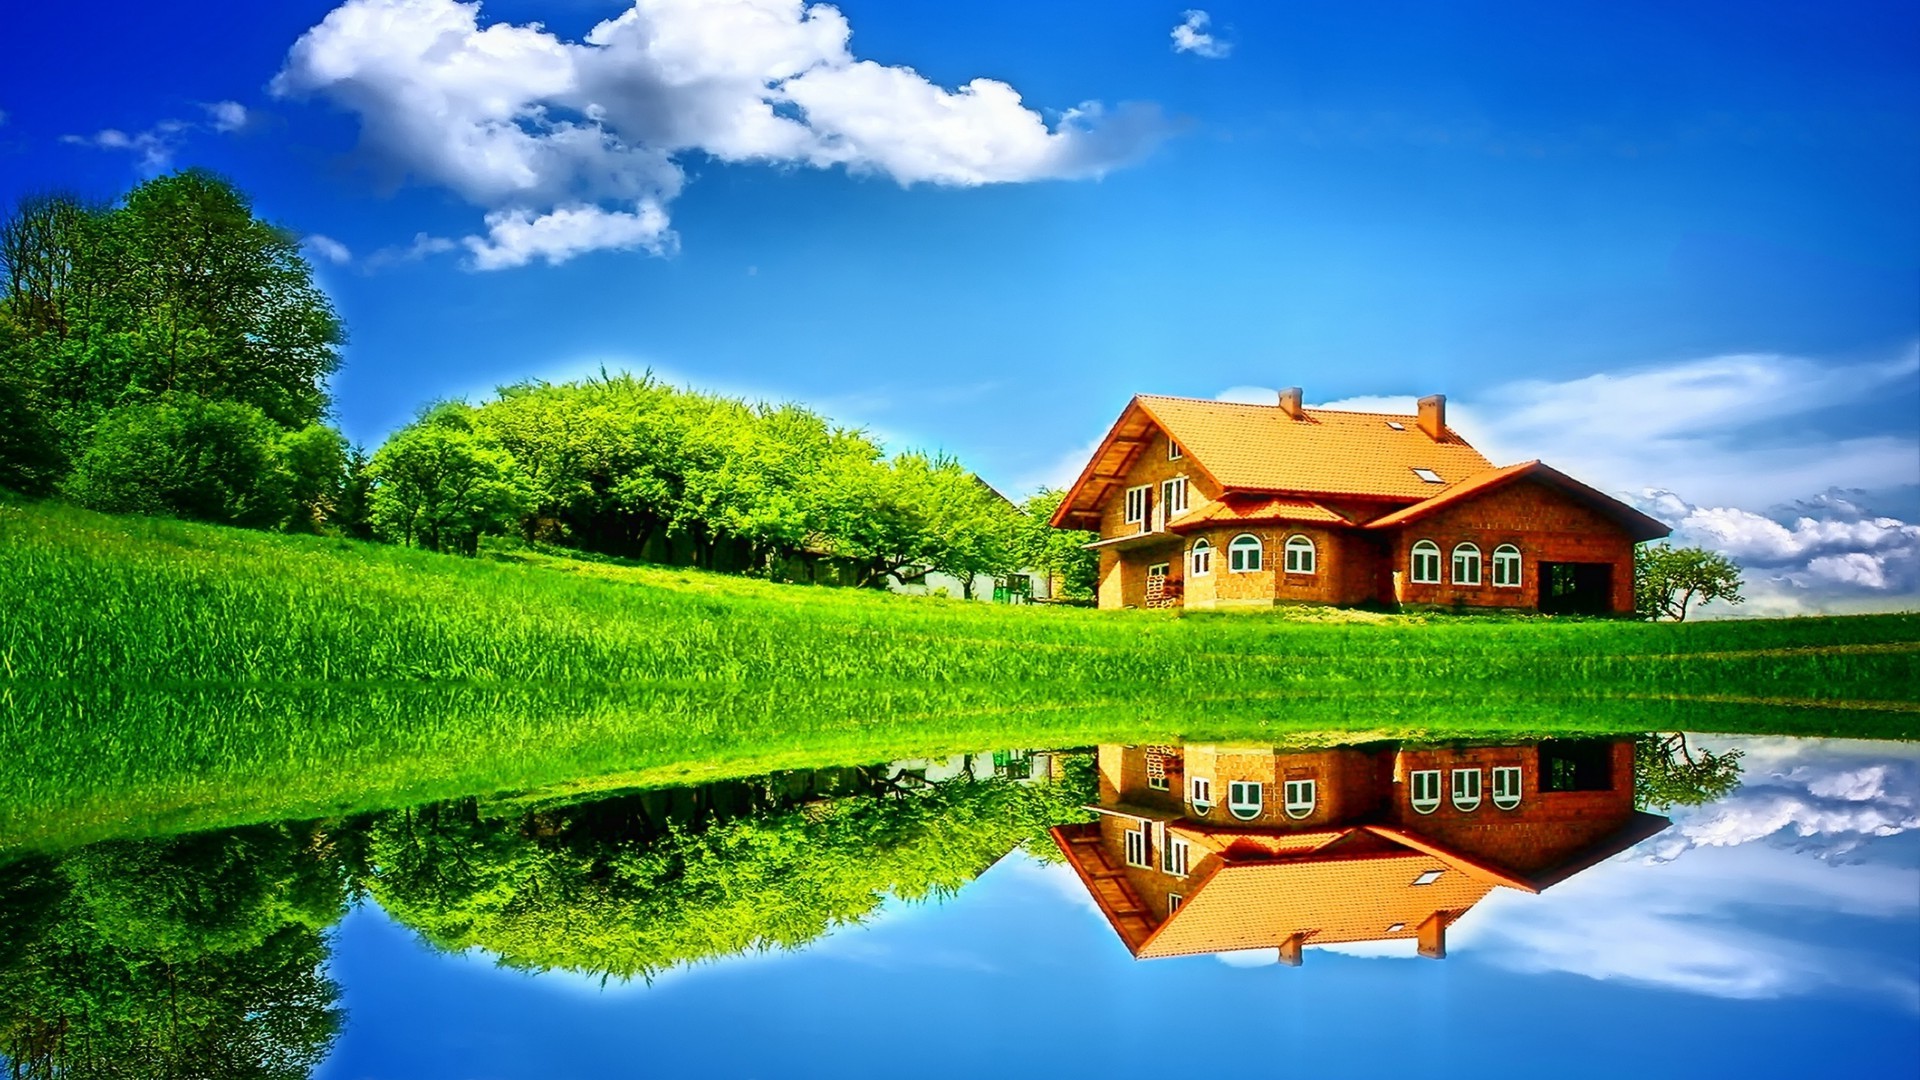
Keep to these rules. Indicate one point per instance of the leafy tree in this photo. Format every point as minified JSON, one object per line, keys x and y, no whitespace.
{"x":1058,"y":553}
{"x":440,"y":484}
{"x":1667,"y":580}
{"x":352,"y":514}
{"x":1667,"y":772}
{"x":181,"y":454}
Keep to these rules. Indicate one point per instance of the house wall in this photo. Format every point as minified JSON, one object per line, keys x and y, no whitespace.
{"x":1346,"y":783}
{"x":1541,"y":832}
{"x":1346,"y":568}
{"x":1546,"y":524}
{"x":1123,"y":575}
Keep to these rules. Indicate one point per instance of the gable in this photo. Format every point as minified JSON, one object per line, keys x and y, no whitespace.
{"x":1486,"y":484}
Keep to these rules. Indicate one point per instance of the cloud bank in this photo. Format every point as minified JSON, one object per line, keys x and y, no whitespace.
{"x":575,"y":146}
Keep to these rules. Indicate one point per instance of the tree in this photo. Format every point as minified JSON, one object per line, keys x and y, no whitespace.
{"x":970,"y":528}
{"x":1667,"y":580}
{"x":219,"y":461}
{"x":441,"y":485}
{"x":353,"y":511}
{"x":1667,"y":772}
{"x":1061,"y":554}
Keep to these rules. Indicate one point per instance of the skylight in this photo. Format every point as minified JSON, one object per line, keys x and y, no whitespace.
{"x":1396,"y":425}
{"x":1428,"y":877}
{"x":1396,"y":928}
{"x":1429,"y":476}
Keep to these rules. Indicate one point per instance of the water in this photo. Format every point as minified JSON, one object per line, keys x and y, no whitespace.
{"x":920,"y":917}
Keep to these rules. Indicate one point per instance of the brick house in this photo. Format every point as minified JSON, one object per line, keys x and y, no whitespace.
{"x":1208,"y":504}
{"x":1203,"y":849}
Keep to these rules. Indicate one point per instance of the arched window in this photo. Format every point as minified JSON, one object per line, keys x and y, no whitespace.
{"x":1244,"y":798}
{"x":1200,"y":793}
{"x":1299,"y":555}
{"x":1506,"y":786}
{"x":1201,"y":558}
{"x":1426,"y":563}
{"x":1466,"y":789}
{"x":1506,"y":566}
{"x":1466,"y":565}
{"x":1243,"y":554}
{"x":1300,"y":798}
{"x":1426,"y":790}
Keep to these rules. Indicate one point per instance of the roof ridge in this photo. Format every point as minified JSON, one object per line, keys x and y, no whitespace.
{"x":1260,"y":405}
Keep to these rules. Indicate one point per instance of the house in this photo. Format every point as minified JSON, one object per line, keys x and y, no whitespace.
{"x":1208,"y":504}
{"x":1203,"y":849}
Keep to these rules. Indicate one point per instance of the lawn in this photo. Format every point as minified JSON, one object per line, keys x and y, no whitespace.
{"x":162,"y":676}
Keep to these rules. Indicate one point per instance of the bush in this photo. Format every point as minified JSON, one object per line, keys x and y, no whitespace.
{"x":218,"y":461}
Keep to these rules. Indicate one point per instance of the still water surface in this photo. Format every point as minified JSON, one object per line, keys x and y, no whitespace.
{"x":967,"y":916}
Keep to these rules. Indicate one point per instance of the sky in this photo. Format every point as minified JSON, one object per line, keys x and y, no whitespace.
{"x":1773,"y":934}
{"x":1672,"y":250}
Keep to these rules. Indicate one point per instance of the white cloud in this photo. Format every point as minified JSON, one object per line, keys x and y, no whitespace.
{"x":226,"y":116}
{"x":155,"y":147}
{"x":328,"y":249}
{"x":1191,"y":36}
{"x":575,"y":146}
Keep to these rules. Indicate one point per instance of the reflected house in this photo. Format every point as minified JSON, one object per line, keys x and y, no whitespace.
{"x":1208,"y":849}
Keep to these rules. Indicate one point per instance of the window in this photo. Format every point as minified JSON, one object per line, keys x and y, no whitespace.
{"x":1506,"y":786}
{"x":1202,"y":558}
{"x":1137,"y":846}
{"x":1173,"y":857}
{"x":1426,"y":563}
{"x":1174,"y":453}
{"x":1299,"y":798}
{"x":1428,"y":877}
{"x":1396,"y":425}
{"x":1243,"y":554}
{"x":1157,"y":783}
{"x":1396,"y":927}
{"x":1200,"y":793}
{"x":1299,"y":555}
{"x":1137,"y":504}
{"x":1466,"y":789}
{"x":1426,"y":790}
{"x":1429,"y":476}
{"x":1173,"y":496}
{"x":1174,"y":900}
{"x":1506,"y":566}
{"x":1466,"y":565}
{"x":1244,"y":798}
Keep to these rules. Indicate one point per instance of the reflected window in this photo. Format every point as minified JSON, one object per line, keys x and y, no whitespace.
{"x":1136,"y":841}
{"x":1428,"y":877}
{"x":1506,"y":567}
{"x":1426,"y":790}
{"x":1466,"y":565}
{"x":1200,"y":793}
{"x":1243,"y":554}
{"x":1506,"y":787}
{"x":1244,"y":799}
{"x":1173,"y":857}
{"x":1426,"y":563}
{"x":1300,"y":798}
{"x":1299,"y":555}
{"x":1174,"y":900}
{"x":1466,"y":789}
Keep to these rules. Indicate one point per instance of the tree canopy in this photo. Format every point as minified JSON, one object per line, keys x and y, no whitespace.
{"x":1667,"y":580}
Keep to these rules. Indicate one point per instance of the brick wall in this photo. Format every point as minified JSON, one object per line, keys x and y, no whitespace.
{"x":1123,"y":575}
{"x":1546,"y":525}
{"x":1542,"y":831}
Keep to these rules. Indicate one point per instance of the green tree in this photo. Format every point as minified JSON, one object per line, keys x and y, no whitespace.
{"x":1668,"y":772}
{"x":1667,"y":580}
{"x":440,"y":484}
{"x":1060,"y":554}
{"x":352,"y":514}
{"x":219,"y":461}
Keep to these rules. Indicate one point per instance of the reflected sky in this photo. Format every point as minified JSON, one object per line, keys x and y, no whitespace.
{"x":1774,"y":933}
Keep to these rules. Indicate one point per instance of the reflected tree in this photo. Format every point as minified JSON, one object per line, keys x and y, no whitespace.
{"x":1668,"y":771}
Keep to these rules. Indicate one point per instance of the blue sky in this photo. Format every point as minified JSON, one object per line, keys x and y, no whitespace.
{"x":1774,"y":934}
{"x":1666,"y":249}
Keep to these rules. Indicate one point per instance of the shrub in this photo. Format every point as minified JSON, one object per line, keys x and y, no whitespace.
{"x":219,"y":461}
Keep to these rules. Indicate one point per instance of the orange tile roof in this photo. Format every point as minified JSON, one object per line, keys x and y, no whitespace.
{"x":1326,"y":451}
{"x":1261,"y":905}
{"x":1244,"y":509}
{"x":1637,"y":524}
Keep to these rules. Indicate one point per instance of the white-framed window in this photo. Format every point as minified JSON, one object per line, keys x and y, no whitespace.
{"x":1300,"y":555}
{"x":1426,"y":563}
{"x":1137,"y":504}
{"x":1173,"y":857}
{"x":1506,"y":786}
{"x":1174,"y":453}
{"x":1426,"y":790}
{"x":1466,"y":565}
{"x":1157,"y":783}
{"x":1243,"y":553}
{"x":1466,"y":789}
{"x":1300,"y":798}
{"x":1244,"y":798}
{"x":1173,"y":496}
{"x":1136,"y":841}
{"x":1428,"y":877}
{"x":1506,"y":566}
{"x":1428,"y":476}
{"x":1174,"y":900}
{"x":1200,"y":793}
{"x":1201,"y":559}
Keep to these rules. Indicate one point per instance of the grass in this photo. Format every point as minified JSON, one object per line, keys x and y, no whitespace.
{"x":160,"y":676}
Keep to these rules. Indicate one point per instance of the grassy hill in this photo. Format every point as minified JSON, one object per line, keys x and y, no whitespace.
{"x":161,"y":675}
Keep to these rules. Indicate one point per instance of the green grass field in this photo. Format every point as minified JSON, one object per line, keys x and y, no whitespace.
{"x":160,"y":676}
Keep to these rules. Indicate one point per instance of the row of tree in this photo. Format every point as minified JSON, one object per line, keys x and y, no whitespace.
{"x":169,"y":354}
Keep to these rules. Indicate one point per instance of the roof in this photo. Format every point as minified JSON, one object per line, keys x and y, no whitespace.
{"x":1254,"y":509}
{"x":1635,"y":523}
{"x":1262,"y":448}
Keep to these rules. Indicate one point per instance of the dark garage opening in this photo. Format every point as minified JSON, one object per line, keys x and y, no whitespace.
{"x":1576,"y":588}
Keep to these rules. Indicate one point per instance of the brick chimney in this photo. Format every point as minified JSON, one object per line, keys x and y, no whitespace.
{"x":1432,"y":934}
{"x":1433,"y":416}
{"x":1290,"y":949}
{"x":1290,"y":402}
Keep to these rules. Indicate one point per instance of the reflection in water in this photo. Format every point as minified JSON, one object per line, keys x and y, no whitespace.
{"x":1204,"y":849}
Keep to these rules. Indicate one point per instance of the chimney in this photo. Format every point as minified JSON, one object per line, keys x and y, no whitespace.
{"x":1433,"y":416}
{"x":1290,"y":401}
{"x":1433,"y":935}
{"x":1290,"y":950}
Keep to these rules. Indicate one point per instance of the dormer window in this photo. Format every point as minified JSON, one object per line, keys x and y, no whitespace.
{"x":1174,"y":453}
{"x":1429,"y":476}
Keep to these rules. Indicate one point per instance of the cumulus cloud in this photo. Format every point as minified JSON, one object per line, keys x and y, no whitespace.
{"x":1191,"y":36}
{"x":573,"y":146}
{"x":155,"y":147}
{"x":226,"y":116}
{"x":327,"y":249}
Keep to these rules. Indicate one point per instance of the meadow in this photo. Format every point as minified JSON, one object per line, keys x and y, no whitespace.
{"x":161,"y":676}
